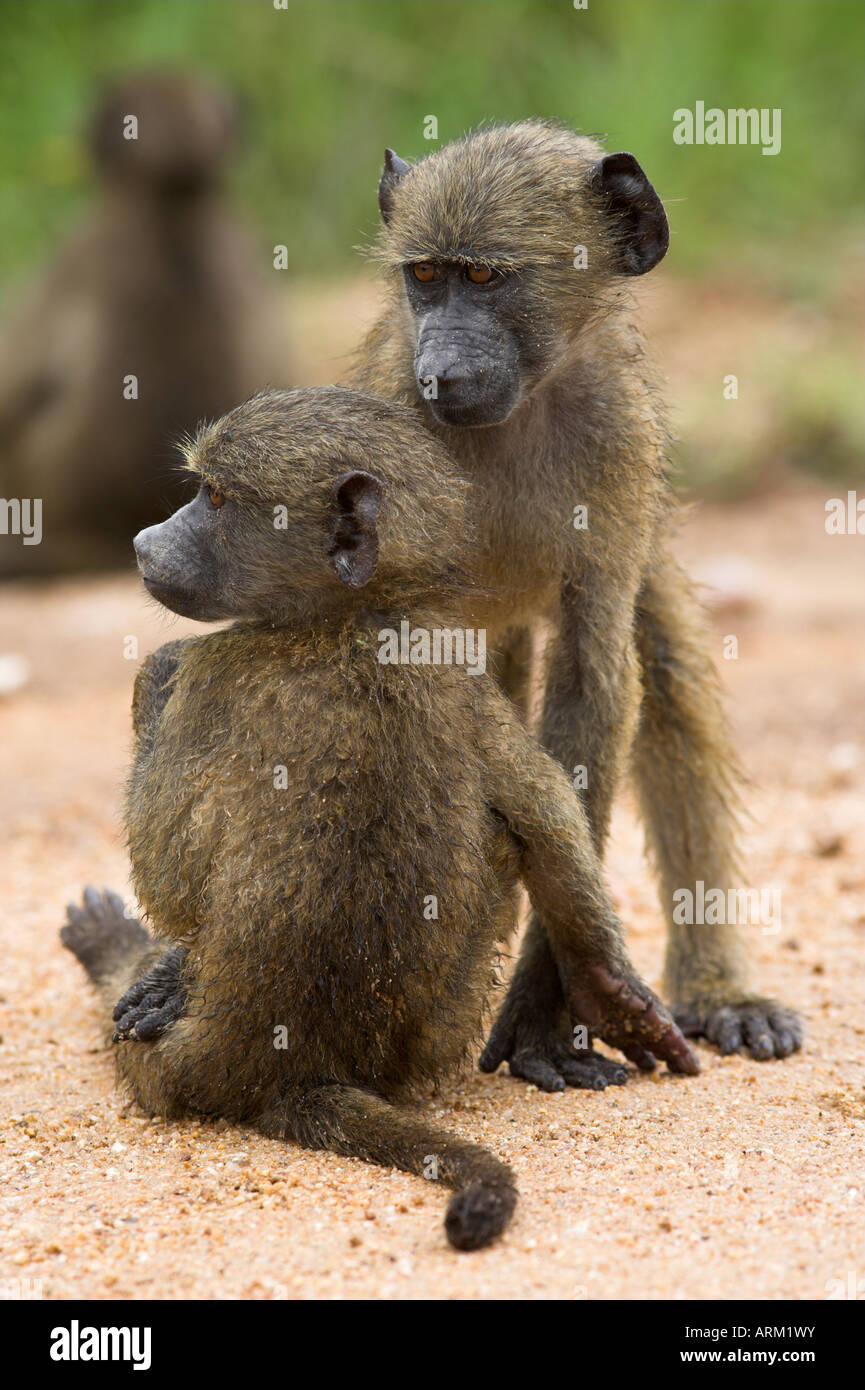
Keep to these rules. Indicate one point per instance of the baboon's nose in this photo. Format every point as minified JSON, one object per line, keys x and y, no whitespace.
{"x":143,"y":544}
{"x":454,"y":380}
{"x":451,"y":378}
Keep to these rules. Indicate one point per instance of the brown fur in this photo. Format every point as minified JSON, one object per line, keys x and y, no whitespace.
{"x":160,"y":282}
{"x":303,"y":907}
{"x":629,"y":664}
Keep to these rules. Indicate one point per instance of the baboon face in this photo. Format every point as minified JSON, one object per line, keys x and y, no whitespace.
{"x":510,"y":242}
{"x":194,"y":563}
{"x":286,"y":523}
{"x":471,"y":362}
{"x":184,"y":128}
{"x":231,"y":555}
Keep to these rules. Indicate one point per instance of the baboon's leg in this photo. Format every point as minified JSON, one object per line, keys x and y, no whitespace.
{"x":604,"y":995}
{"x":589,"y":718}
{"x":533,"y":1029}
{"x":510,"y":665}
{"x":688,"y":780}
{"x":352,"y":1122}
{"x":102,"y":937}
{"x":117,"y":951}
{"x":108,"y":944}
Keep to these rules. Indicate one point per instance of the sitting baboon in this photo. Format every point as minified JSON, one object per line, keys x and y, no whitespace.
{"x":329,"y":837}
{"x":156,"y":313}
{"x":507,"y":328}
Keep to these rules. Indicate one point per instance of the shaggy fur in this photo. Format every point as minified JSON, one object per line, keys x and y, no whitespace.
{"x":628,"y":666}
{"x":295,"y":805}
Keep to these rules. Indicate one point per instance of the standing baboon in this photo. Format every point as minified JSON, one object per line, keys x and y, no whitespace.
{"x":156,"y":313}
{"x":332,"y":842}
{"x":507,"y":328}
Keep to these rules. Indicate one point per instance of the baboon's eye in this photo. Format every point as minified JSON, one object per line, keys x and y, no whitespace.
{"x":216,"y":497}
{"x":482,"y":275}
{"x":425,"y":271}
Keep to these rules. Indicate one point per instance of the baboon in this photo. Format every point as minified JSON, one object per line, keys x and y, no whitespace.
{"x":507,"y":328}
{"x":162,"y":285}
{"x":330,"y":844}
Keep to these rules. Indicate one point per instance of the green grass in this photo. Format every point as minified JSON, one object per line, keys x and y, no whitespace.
{"x":327,"y":83}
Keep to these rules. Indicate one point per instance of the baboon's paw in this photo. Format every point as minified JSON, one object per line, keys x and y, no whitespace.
{"x":477,"y":1214}
{"x":763,"y":1028}
{"x":592,"y":1071}
{"x":545,"y":1060}
{"x":552,"y":1067}
{"x":617,"y":1006}
{"x":152,"y":1004}
{"x":99,"y":932}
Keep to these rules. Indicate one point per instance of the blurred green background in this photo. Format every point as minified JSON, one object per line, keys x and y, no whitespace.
{"x":326,"y":84}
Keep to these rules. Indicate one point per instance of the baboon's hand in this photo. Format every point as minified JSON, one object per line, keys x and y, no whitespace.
{"x":615,"y":1004}
{"x":761,"y":1027}
{"x":153,"y":1003}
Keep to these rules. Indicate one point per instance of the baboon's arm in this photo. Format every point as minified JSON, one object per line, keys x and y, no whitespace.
{"x":562,"y":874}
{"x":590,"y":710}
{"x":153,"y":1002}
{"x":152,"y":691}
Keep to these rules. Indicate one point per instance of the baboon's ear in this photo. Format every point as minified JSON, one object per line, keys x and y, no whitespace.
{"x":394,"y":169}
{"x":353,"y":548}
{"x":640,"y":226}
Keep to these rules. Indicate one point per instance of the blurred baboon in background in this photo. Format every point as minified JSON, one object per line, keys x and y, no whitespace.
{"x":156,"y":313}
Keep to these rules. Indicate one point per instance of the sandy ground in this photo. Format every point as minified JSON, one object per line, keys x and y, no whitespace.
{"x":744,"y":1182}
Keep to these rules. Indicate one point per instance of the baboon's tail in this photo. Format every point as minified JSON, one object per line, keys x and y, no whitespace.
{"x":102,"y":937}
{"x":353,"y":1122}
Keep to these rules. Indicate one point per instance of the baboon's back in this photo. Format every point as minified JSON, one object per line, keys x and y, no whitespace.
{"x":340,"y":878}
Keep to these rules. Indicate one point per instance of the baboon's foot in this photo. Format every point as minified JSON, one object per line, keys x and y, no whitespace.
{"x":154,"y":1002}
{"x":545,"y":1059}
{"x":761,"y":1027}
{"x":100,"y":934}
